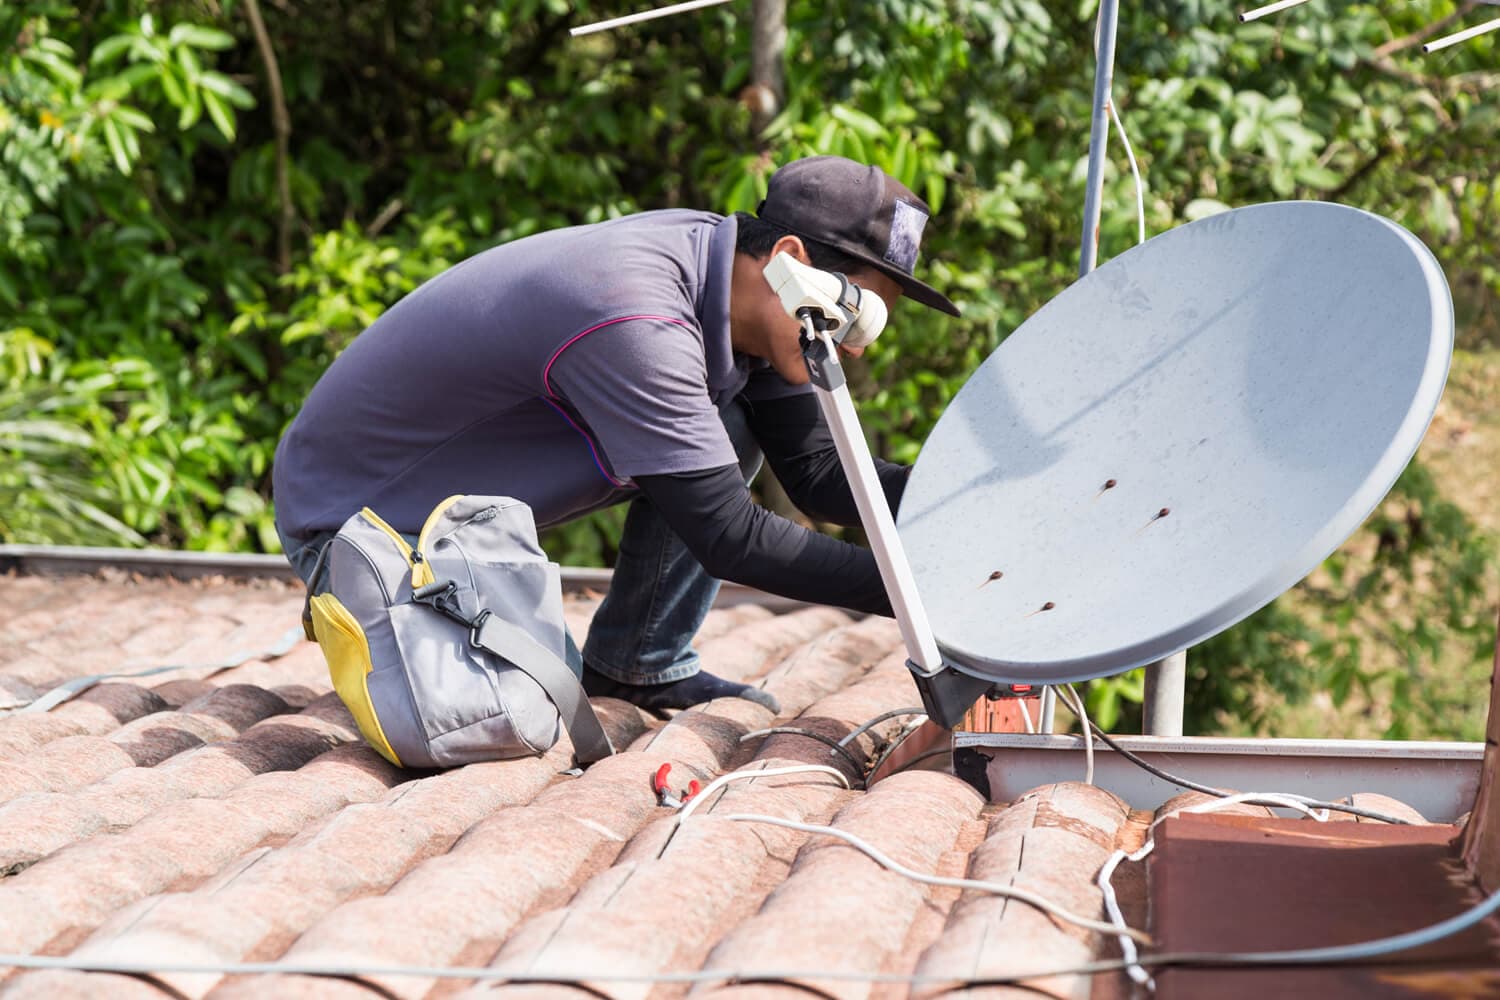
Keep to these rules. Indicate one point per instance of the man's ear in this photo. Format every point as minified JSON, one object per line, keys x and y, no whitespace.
{"x":792,"y":245}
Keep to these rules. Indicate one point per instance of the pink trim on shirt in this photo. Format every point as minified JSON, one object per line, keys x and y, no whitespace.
{"x":587,"y":440}
{"x":552,"y":394}
{"x":547,"y":371}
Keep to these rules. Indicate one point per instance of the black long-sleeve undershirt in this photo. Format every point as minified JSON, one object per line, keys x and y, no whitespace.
{"x":799,"y":447}
{"x":736,"y":539}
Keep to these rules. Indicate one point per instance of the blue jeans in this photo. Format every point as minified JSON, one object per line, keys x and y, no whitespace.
{"x":658,"y":596}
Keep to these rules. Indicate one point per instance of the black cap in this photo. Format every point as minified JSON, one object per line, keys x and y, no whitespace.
{"x":858,"y":210}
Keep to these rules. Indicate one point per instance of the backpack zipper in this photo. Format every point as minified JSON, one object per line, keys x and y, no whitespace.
{"x":421,"y":573}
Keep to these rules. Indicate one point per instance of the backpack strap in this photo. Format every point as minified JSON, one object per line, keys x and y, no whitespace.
{"x":516,"y":646}
{"x":314,"y":579}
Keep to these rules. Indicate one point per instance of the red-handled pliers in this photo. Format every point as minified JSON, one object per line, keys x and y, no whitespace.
{"x":665,"y":795}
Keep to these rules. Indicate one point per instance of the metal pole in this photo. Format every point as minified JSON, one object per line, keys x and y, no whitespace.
{"x":1104,"y":75}
{"x":1166,"y":682}
{"x":1165,"y":679}
{"x":874,"y":510}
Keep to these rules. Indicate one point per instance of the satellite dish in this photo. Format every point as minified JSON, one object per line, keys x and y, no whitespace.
{"x":1175,"y":440}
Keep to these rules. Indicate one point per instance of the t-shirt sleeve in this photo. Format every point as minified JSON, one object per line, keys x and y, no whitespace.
{"x":641,"y":387}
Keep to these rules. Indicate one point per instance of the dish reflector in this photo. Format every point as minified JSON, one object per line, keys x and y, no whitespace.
{"x":1175,"y":440}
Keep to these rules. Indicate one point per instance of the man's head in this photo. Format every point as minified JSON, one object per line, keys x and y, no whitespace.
{"x":835,"y":215}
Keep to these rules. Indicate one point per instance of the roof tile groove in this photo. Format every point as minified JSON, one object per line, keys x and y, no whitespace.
{"x":270,"y":897}
{"x":74,"y":761}
{"x":56,"y":902}
{"x":36,"y":825}
{"x":506,"y":866}
{"x":839,"y":909}
{"x":745,"y":653}
{"x":653,"y":913}
{"x":822,"y":667}
{"x":92,"y":713}
{"x":1026,"y":846}
{"x":591,"y":817}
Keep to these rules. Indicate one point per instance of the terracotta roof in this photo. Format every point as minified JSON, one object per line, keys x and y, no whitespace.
{"x":228,"y":816}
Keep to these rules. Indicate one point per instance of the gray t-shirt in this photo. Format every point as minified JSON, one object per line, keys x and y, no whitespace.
{"x":551,"y":369}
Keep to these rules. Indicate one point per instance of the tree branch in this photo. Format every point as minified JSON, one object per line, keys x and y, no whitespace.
{"x":1361,"y":173}
{"x":281,"y":122}
{"x":767,"y":91}
{"x":1425,"y":32}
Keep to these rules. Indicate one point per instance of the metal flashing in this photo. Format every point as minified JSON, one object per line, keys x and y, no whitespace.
{"x":1438,"y":779}
{"x":64,"y":559}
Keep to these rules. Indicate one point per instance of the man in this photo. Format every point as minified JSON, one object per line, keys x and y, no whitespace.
{"x":642,"y":359}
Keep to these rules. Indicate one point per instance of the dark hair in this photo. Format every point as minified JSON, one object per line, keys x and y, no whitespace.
{"x":756,"y":237}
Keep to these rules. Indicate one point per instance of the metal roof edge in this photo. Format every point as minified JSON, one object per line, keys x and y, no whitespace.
{"x":1438,"y":779}
{"x":64,"y":559}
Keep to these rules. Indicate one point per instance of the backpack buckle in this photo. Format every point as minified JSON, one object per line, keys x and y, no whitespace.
{"x":443,"y":597}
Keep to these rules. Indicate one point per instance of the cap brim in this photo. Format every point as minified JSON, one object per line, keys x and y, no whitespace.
{"x":924,"y":293}
{"x":918,"y":291}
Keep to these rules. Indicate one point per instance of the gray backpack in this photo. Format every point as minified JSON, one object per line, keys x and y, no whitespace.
{"x":452,"y":651}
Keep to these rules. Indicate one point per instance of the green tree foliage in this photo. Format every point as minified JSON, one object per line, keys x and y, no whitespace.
{"x":144,"y":305}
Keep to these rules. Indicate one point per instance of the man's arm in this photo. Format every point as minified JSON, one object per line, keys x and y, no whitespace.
{"x":736,"y":539}
{"x":800,"y":449}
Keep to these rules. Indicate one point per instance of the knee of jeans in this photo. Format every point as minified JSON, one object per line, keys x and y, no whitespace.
{"x":303,"y":554}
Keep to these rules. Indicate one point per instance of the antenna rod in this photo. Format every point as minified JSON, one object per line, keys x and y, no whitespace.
{"x":1270,"y":8}
{"x":1104,"y":75}
{"x":645,"y":15}
{"x":1462,"y":36}
{"x":869,"y":498}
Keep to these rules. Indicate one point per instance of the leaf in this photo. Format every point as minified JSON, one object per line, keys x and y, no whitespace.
{"x":130,"y":116}
{"x":220,"y":114}
{"x":111,"y":48}
{"x":227,"y":89}
{"x":1319,"y":178}
{"x":857,"y":121}
{"x":116,"y":145}
{"x":200,"y":37}
{"x":172,"y":88}
{"x":59,"y":68}
{"x":1202,"y":208}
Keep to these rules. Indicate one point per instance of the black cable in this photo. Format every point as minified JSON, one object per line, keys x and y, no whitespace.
{"x":1145,"y":765}
{"x":872,"y":723}
{"x":921,"y":757}
{"x":832,"y":744}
